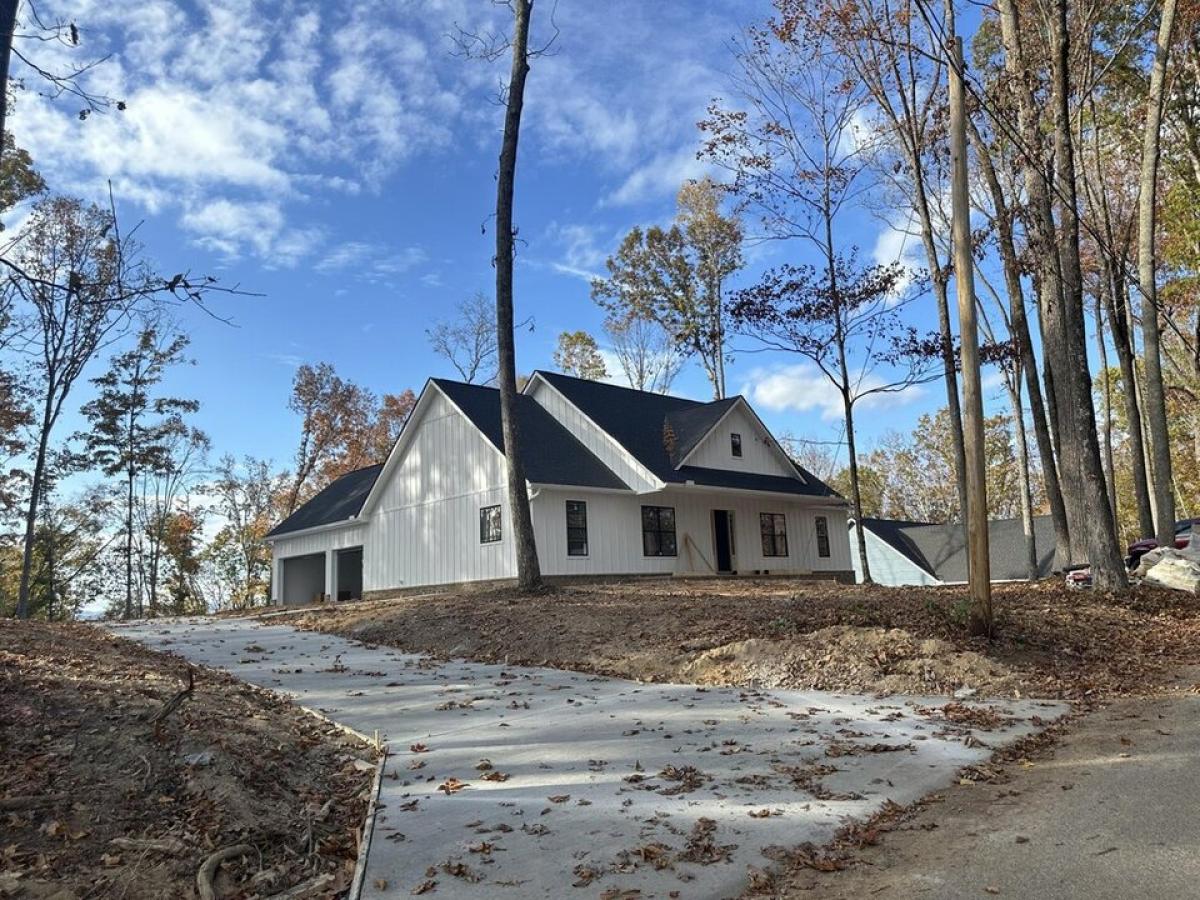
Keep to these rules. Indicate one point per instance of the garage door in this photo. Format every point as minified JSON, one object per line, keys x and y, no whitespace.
{"x":303,"y":579}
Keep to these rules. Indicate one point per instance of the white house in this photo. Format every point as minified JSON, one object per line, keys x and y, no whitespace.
{"x":922,"y":553}
{"x":621,"y":482}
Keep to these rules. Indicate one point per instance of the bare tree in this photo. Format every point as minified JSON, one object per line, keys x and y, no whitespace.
{"x":529,"y":575}
{"x":649,"y":357}
{"x":1153,"y":392}
{"x":1059,"y":282}
{"x":886,"y":46}
{"x":79,"y":293}
{"x":468,"y":341}
{"x":844,"y":318}
{"x":799,"y":157}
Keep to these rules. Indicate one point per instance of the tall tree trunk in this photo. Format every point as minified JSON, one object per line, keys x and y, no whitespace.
{"x":8,"y":24}
{"x":855,"y":489}
{"x":529,"y":575}
{"x":1117,"y":299}
{"x":31,"y":510}
{"x":1012,"y":381}
{"x":1079,"y":444}
{"x":1106,"y":422}
{"x":129,"y":545}
{"x":905,"y":119}
{"x":949,"y":363}
{"x":980,"y":620}
{"x":1153,"y":392}
{"x":1027,"y":361}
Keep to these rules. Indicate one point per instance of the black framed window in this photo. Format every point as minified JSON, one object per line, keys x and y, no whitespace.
{"x":822,"y":536}
{"x":489,"y":524}
{"x":577,"y":541}
{"x":658,"y":531}
{"x":735,"y":444}
{"x":774,"y":534}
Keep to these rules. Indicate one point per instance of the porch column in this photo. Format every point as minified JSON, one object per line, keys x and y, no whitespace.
{"x":276,"y":582}
{"x":330,"y":574}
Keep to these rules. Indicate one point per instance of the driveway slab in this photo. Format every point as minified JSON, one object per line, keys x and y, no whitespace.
{"x":527,"y":782}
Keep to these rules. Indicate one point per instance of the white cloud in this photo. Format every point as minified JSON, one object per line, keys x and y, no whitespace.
{"x":658,"y":177}
{"x":277,"y":106}
{"x":240,"y":111}
{"x":370,"y":261}
{"x":582,"y":255}
{"x":803,"y":388}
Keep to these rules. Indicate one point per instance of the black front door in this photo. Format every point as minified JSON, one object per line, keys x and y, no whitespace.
{"x":721,"y":537}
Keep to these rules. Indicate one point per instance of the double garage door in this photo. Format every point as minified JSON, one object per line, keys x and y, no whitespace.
{"x":305,"y":581}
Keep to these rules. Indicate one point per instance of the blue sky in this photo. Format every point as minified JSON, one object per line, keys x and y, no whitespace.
{"x":339,"y":159}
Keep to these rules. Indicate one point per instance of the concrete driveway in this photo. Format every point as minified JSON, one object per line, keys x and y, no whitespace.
{"x":524,"y":782}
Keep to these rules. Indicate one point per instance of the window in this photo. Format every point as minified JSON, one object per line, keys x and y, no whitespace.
{"x":774,"y":534}
{"x":735,"y":444}
{"x":577,"y":528}
{"x":658,"y":531}
{"x":489,"y":524}
{"x":822,"y":536}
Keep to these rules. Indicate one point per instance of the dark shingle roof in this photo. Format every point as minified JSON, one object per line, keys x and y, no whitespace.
{"x":942,"y":549}
{"x":659,"y":431}
{"x":341,"y":500}
{"x":552,"y":455}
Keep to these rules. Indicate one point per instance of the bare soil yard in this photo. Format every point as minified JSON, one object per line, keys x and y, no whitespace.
{"x":1051,"y":641}
{"x":98,"y":800}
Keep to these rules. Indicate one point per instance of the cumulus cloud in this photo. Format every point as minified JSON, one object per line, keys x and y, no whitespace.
{"x":240,"y":112}
{"x":803,"y":388}
{"x":247,"y":117}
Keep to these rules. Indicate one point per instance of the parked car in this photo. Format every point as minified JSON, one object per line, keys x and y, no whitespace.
{"x":1183,"y":534}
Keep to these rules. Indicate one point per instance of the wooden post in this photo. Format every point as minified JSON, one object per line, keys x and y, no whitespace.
{"x":979,"y":574}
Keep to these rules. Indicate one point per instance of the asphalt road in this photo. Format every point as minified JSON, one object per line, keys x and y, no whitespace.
{"x":1113,"y":814}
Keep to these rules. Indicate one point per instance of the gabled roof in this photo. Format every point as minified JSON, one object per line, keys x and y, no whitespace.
{"x":659,"y":431}
{"x":552,"y":455}
{"x":338,"y":502}
{"x":941,"y":550}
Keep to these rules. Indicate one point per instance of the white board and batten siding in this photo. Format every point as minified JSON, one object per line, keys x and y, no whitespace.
{"x":888,"y":565}
{"x":615,"y":533}
{"x":425,"y":527}
{"x":759,"y":454}
{"x":319,"y":541}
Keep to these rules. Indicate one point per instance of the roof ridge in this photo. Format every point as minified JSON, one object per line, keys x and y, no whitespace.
{"x":632,"y":390}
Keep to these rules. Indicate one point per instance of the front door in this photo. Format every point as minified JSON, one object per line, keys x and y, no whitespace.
{"x":723,"y":539}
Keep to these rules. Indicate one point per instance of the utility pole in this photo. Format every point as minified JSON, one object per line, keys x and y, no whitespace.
{"x":979,"y":621}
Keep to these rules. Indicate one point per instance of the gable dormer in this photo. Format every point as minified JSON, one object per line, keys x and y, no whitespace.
{"x":738,"y":441}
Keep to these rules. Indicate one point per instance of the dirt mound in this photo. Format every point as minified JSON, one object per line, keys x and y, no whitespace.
{"x":847,"y":657}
